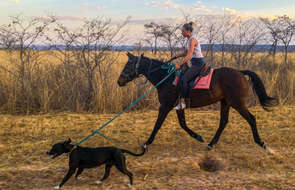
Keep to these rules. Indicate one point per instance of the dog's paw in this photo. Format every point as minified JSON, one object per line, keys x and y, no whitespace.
{"x":57,"y":187}
{"x":128,"y":185}
{"x":98,"y":182}
{"x":80,"y":178}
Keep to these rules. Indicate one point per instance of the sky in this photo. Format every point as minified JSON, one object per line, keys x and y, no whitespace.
{"x":141,"y":11}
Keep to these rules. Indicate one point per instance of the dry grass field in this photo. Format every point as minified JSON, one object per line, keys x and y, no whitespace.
{"x":54,"y":101}
{"x":174,"y":161}
{"x":52,"y":84}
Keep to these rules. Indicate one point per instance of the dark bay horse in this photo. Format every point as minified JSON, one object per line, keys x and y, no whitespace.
{"x":229,"y":86}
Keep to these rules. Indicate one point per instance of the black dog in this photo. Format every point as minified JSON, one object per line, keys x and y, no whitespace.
{"x":83,"y":157}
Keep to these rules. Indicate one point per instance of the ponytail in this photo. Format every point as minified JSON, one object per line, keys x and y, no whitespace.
{"x":188,"y":26}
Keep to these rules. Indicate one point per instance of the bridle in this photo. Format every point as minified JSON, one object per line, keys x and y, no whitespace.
{"x":136,"y":69}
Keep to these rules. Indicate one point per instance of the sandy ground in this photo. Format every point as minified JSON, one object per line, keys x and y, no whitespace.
{"x":174,"y":161}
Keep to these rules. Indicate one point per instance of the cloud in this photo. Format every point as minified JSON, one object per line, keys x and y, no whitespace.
{"x":101,"y":7}
{"x":197,"y":7}
{"x":142,"y":21}
{"x":70,"y":18}
{"x":16,"y":1}
{"x":229,"y":11}
{"x":240,"y":14}
{"x":201,"y":9}
{"x":88,"y":6}
{"x":164,"y":4}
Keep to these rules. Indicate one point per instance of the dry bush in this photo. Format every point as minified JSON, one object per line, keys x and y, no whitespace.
{"x":211,"y":164}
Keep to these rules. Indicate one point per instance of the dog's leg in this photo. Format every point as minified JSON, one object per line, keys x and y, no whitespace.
{"x":121,"y":166}
{"x":80,"y":170}
{"x":106,"y":174}
{"x":67,"y":177}
{"x":126,"y":172}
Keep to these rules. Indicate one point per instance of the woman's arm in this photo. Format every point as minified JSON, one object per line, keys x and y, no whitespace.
{"x":189,"y":53}
{"x":182,"y":54}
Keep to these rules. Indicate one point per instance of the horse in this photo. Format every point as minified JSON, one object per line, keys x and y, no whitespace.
{"x":228,"y":86}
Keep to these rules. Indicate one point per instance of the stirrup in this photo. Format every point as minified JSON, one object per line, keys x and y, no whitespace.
{"x":180,"y":106}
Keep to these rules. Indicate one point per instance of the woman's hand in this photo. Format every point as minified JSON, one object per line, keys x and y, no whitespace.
{"x":177,"y":66}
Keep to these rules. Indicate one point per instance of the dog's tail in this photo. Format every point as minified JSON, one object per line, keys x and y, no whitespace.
{"x":134,"y":154}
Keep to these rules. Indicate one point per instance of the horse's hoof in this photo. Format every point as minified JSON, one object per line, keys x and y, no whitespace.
{"x":98,"y":182}
{"x":200,"y":138}
{"x":145,"y":146}
{"x":263,"y":145}
{"x":208,"y":147}
{"x":270,"y":151}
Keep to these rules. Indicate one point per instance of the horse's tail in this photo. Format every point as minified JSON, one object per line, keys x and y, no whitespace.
{"x":264,"y":99}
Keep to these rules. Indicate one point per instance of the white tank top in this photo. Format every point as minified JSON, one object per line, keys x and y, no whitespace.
{"x":197,"y":53}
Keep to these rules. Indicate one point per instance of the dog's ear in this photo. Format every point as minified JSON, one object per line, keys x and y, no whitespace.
{"x":68,"y":141}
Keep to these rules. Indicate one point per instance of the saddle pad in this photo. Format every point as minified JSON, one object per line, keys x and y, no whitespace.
{"x":199,"y":83}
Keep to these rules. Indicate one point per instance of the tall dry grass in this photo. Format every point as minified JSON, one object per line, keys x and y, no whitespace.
{"x":53,"y":84}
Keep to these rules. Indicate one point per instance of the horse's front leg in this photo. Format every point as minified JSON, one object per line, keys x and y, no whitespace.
{"x":163,"y":112}
{"x":181,"y":120}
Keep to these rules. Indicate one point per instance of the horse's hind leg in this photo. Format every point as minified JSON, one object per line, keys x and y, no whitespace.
{"x":252,"y":122}
{"x":181,"y":120}
{"x":224,"y":112}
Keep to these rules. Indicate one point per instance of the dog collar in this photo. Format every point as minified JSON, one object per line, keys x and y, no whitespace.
{"x":73,"y":148}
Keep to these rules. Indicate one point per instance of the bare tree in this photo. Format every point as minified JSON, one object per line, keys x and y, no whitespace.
{"x":274,"y":30}
{"x":90,"y":46}
{"x":169,"y":36}
{"x":286,"y":33}
{"x":211,"y":32}
{"x":155,"y":31}
{"x":228,"y":22}
{"x":68,"y":77}
{"x":246,"y":35}
{"x":148,"y":42}
{"x":21,"y":37}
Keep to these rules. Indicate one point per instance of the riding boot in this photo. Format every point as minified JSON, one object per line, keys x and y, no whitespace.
{"x":180,"y":106}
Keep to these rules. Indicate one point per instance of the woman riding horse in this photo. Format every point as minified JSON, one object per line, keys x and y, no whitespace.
{"x":194,"y":54}
{"x":228,"y":86}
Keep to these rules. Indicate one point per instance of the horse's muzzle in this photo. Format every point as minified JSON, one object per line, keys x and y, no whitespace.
{"x":121,"y":82}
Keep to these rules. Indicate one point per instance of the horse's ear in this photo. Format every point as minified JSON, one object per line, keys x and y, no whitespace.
{"x":129,"y":55}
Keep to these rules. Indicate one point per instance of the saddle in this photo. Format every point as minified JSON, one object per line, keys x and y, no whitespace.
{"x":203,"y":79}
{"x":204,"y":72}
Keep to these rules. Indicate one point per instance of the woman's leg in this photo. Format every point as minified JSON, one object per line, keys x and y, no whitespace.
{"x":191,"y":74}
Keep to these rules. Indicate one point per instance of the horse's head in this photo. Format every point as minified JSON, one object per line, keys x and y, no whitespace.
{"x":131,"y":69}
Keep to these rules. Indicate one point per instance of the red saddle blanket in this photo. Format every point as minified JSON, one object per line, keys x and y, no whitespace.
{"x":199,"y":83}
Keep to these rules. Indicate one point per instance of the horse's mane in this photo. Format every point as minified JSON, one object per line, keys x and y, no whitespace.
{"x":161,"y":63}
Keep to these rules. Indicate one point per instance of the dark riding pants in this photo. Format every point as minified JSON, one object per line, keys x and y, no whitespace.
{"x":191,"y":74}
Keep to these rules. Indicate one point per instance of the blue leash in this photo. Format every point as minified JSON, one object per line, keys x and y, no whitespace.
{"x":170,"y":70}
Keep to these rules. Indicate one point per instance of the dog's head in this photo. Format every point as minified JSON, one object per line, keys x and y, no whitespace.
{"x":59,"y":148}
